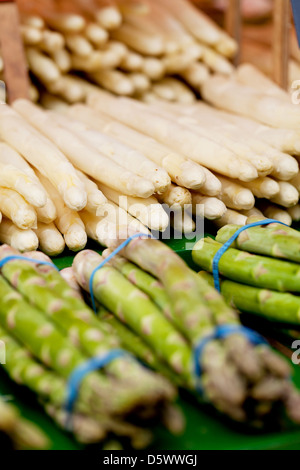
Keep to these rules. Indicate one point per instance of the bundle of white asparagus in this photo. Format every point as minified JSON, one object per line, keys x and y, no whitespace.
{"x":115,"y":166}
{"x":149,"y":49}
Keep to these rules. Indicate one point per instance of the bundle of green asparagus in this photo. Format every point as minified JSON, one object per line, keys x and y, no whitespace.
{"x":19,"y":433}
{"x":49,"y":332}
{"x":260,"y":271}
{"x":162,"y":311}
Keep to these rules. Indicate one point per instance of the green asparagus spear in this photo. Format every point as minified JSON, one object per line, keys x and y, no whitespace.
{"x":136,"y":345}
{"x":277,"y":306}
{"x":276,"y":242}
{"x":190,"y":313}
{"x":136,"y":310}
{"x":144,"y":281}
{"x":258,"y":271}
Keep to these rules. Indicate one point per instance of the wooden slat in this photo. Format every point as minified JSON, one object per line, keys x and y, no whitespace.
{"x":281,"y":49}
{"x":12,"y":51}
{"x":233,"y":23}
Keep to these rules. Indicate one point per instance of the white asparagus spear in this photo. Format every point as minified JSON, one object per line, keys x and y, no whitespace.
{"x":31,"y":36}
{"x":67,"y":89}
{"x":209,"y":207}
{"x":263,"y":187}
{"x":84,"y":157}
{"x":114,"y":81}
{"x":163,"y":91}
{"x":287,"y":196}
{"x":231,"y":218}
{"x":140,"y":41}
{"x":95,"y":198}
{"x":285,"y":166}
{"x":236,"y":196}
{"x":263,"y":164}
{"x":96,"y":35}
{"x":67,"y":221}
{"x":98,"y":60}
{"x":183,"y":94}
{"x":47,"y":214}
{"x":197,"y":148}
{"x":294,"y":212}
{"x":212,"y":185}
{"x":108,"y":16}
{"x":34,"y":21}
{"x":253,"y":213}
{"x":176,"y":196}
{"x":148,"y":211}
{"x":42,"y":66}
{"x":78,"y":44}
{"x":34,"y":94}
{"x":53,"y":103}
{"x":158,"y":20}
{"x":69,"y":276}
{"x":63,"y":60}
{"x":41,"y":153}
{"x":50,"y":239}
{"x":249,"y":75}
{"x":193,"y":20}
{"x":182,"y":171}
{"x":65,"y":22}
{"x":15,"y":173}
{"x":182,"y":222}
{"x":21,"y":240}
{"x":296,"y":182}
{"x":140,"y":81}
{"x":271,"y":211}
{"x":216,"y":62}
{"x":15,"y":208}
{"x":154,"y":68}
{"x":115,"y":224}
{"x":176,"y":63}
{"x":285,"y":140}
{"x":196,"y":74}
{"x":119,"y":153}
{"x":51,"y":42}
{"x":228,"y":94}
{"x":132,"y":62}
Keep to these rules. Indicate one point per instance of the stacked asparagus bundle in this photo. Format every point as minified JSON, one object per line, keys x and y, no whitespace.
{"x":21,"y":434}
{"x":49,"y":332}
{"x":130,"y":48}
{"x":260,"y":270}
{"x":162,"y":310}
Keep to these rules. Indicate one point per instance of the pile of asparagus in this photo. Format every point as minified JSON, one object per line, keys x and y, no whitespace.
{"x":48,"y":332}
{"x":162,"y":310}
{"x":16,"y":433}
{"x":260,"y":271}
{"x":149,"y":49}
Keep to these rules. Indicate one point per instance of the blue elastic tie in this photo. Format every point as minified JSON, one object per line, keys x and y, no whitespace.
{"x":222,"y":332}
{"x":106,"y":260}
{"x":77,"y":376}
{"x":228,"y":244}
{"x":23,"y":258}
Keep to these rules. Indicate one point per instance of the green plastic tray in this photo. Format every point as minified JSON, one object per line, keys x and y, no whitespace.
{"x":204,"y":430}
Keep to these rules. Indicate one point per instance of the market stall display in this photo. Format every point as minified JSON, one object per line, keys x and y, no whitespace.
{"x":115,"y":144}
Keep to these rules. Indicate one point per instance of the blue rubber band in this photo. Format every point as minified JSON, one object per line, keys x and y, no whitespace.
{"x":77,"y":376}
{"x":222,"y":332}
{"x":110,"y":257}
{"x":227,"y":245}
{"x":23,"y":258}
